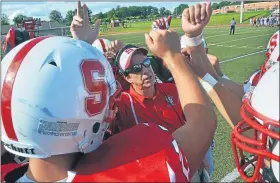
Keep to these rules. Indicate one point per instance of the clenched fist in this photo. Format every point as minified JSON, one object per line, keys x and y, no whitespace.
{"x":163,"y":43}
{"x":195,"y":18}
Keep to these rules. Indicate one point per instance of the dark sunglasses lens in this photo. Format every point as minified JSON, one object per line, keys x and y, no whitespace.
{"x":136,"y":68}
{"x":147,"y":62}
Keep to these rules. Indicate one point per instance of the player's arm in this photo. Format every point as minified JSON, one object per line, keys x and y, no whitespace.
{"x":227,"y":102}
{"x":196,"y":136}
{"x":232,"y":86}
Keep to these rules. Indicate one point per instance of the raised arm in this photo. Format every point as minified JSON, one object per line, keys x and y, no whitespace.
{"x":227,"y":102}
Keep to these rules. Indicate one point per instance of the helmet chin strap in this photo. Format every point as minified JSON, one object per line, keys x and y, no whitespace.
{"x":82,"y":142}
{"x":86,"y":145}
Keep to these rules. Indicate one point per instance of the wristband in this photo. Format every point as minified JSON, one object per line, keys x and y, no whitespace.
{"x":194,"y":41}
{"x":208,"y":82}
{"x":225,"y":77}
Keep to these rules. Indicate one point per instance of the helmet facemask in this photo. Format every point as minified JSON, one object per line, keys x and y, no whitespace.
{"x":259,"y":147}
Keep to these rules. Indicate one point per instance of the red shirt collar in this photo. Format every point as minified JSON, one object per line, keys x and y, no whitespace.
{"x":141,"y":98}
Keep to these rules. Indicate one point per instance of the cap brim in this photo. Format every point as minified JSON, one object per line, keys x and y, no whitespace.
{"x":142,"y":50}
{"x":124,"y":61}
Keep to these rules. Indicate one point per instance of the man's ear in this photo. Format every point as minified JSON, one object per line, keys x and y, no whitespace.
{"x":128,"y":78}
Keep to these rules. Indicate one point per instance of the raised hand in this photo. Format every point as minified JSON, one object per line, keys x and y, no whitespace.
{"x":195,"y":18}
{"x":163,"y":43}
{"x":80,"y":27}
{"x":162,"y":23}
{"x":113,"y":48}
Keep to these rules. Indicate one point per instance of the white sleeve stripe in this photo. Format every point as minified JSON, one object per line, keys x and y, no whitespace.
{"x":71,"y":176}
{"x":132,"y":108}
{"x":163,"y":128}
{"x":175,"y":145}
{"x":171,"y":173}
{"x":185,"y":170}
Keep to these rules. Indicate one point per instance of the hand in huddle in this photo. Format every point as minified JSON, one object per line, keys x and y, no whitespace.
{"x":80,"y":27}
{"x":163,"y":43}
{"x":162,"y":23}
{"x":113,"y":48}
{"x":195,"y":18}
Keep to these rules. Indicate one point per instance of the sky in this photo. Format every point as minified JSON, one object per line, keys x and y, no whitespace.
{"x":42,"y":9}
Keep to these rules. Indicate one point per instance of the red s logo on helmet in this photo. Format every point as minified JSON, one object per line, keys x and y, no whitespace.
{"x":96,"y":88}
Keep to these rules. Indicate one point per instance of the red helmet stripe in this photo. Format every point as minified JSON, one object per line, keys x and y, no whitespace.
{"x":8,"y":85}
{"x":103,"y":45}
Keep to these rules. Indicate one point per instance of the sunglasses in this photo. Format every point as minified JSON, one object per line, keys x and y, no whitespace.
{"x":138,"y":67}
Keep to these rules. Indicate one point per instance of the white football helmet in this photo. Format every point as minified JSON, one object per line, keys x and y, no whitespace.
{"x":260,"y":113}
{"x":273,"y":42}
{"x":57,"y":96}
{"x":272,"y":57}
{"x":101,"y":44}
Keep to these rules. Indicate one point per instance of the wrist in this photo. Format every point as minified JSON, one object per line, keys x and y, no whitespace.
{"x":168,"y":56}
{"x":193,"y":34}
{"x":173,"y":60}
{"x":191,"y":40}
{"x":208,"y":82}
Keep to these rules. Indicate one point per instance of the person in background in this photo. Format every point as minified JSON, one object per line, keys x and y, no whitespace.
{"x":232,"y":26}
{"x":251,"y":22}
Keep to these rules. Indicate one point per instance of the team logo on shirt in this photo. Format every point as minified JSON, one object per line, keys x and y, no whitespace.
{"x":169,"y":100}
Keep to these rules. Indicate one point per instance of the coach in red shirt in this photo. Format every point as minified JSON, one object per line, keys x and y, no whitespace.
{"x":145,"y":100}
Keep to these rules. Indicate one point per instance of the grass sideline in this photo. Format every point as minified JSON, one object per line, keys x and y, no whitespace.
{"x":216,"y":20}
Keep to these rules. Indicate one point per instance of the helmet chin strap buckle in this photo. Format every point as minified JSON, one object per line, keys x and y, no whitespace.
{"x":84,"y":147}
{"x":82,"y":142}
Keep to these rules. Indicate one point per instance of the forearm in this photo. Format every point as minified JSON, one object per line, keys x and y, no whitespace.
{"x":232,"y":86}
{"x":201,"y":124}
{"x":226,"y":95}
{"x":197,"y":52}
{"x":227,"y":103}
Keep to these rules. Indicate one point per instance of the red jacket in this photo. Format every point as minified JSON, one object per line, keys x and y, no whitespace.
{"x":163,"y":109}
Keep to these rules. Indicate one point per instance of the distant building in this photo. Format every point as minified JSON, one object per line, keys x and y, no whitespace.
{"x":249,"y":7}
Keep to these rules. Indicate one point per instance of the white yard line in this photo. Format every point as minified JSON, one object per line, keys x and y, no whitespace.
{"x":240,"y":33}
{"x":239,"y":39}
{"x":235,"y":58}
{"x":232,"y":176}
{"x":236,"y":46}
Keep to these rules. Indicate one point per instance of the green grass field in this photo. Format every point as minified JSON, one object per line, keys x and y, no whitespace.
{"x":218,"y":19}
{"x":246,"y":41}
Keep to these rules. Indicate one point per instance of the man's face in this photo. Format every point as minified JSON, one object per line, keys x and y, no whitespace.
{"x":144,"y":79}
